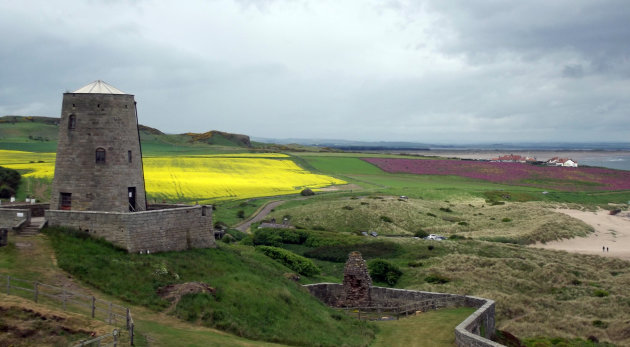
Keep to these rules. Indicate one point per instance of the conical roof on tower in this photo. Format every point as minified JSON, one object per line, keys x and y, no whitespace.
{"x":98,"y":87}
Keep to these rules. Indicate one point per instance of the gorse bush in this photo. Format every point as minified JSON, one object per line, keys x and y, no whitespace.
{"x":384,"y":271}
{"x":295,"y":262}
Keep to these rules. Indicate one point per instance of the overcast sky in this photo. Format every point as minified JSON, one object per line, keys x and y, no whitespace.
{"x":423,"y":71}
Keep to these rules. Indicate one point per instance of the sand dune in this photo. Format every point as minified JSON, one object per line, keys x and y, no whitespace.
{"x":610,"y":231}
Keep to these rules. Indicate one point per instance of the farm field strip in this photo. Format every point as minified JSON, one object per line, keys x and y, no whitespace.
{"x":200,"y":178}
{"x":559,"y":178}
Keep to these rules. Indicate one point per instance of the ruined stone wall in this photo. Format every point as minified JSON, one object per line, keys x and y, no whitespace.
{"x":476,"y":330}
{"x":106,"y":121}
{"x":163,"y":230}
{"x":10,"y":217}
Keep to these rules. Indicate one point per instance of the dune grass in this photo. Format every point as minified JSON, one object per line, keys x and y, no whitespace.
{"x":472,"y":218}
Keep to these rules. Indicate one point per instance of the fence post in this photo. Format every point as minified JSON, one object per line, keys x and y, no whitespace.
{"x":93,"y":306}
{"x":128,"y":319}
{"x":131,"y":334}
{"x":8,"y":285}
{"x":35,"y":291}
{"x":115,"y":333}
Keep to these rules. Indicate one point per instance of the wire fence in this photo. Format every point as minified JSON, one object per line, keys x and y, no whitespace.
{"x":103,"y":310}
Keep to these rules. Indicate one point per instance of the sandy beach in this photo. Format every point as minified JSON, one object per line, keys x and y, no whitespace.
{"x":612,"y":232}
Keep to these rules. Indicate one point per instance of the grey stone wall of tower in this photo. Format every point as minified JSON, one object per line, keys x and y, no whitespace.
{"x":99,"y":160}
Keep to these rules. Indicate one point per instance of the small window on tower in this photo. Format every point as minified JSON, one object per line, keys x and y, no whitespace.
{"x":65,"y":201}
{"x":129,"y":156}
{"x":72,"y":121}
{"x":100,"y":156}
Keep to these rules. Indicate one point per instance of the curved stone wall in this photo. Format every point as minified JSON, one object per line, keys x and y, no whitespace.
{"x":476,"y":330}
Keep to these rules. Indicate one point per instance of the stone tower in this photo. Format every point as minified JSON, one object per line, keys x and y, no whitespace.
{"x":99,"y":160}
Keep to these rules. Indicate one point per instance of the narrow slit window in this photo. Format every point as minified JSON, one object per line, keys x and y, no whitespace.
{"x":129,"y":156}
{"x":72,"y":122}
{"x":100,"y":156}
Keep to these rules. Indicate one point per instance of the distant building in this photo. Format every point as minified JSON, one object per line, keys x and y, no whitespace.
{"x":513,"y":158}
{"x":566,"y":162}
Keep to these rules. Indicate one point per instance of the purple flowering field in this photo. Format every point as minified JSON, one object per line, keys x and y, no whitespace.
{"x":552,"y":177}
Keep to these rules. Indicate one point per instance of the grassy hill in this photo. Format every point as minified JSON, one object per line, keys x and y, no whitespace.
{"x":39,"y":134}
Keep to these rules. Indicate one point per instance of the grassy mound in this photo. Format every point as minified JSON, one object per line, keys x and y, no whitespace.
{"x":253,"y":299}
{"x":522,"y":223}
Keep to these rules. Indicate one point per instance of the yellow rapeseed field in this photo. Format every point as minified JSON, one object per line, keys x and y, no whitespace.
{"x":202,"y":178}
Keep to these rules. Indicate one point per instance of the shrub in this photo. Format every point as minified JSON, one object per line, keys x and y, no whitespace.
{"x":384,"y":271}
{"x":386,"y":219}
{"x":431,"y":214}
{"x":9,"y":182}
{"x":430,"y":247}
{"x":462,"y":223}
{"x":446,"y":209}
{"x":295,"y":262}
{"x":227,"y":238}
{"x":307,"y":192}
{"x":240,"y":214}
{"x":436,"y":278}
{"x":420,"y":233}
{"x":339,"y":253}
{"x":506,"y":220}
{"x":349,"y":208}
{"x":414,"y":263}
{"x":600,"y":293}
{"x":600,"y":324}
{"x":267,"y":237}
{"x":237,"y":234}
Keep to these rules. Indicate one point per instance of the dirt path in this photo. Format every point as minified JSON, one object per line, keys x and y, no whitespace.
{"x":244,"y":226}
{"x":612,"y":232}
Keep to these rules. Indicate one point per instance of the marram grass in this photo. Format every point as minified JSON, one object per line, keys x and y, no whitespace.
{"x":204,"y":178}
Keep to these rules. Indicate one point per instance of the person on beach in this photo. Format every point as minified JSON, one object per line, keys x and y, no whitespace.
{"x":606,"y":249}
{"x":603,"y":248}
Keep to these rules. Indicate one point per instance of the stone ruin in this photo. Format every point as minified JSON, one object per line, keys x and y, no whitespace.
{"x":356,"y":282}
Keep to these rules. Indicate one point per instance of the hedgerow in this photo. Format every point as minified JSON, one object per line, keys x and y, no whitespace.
{"x":295,"y":262}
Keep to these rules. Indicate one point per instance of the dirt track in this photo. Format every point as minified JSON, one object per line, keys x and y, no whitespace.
{"x":610,"y":231}
{"x":259,"y":216}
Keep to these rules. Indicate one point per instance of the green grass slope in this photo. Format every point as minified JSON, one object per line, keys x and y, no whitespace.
{"x":253,"y":299}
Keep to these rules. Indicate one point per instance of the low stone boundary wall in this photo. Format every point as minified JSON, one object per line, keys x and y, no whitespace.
{"x":12,"y":218}
{"x":37,"y":210}
{"x":476,"y":330}
{"x":173,"y":229}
